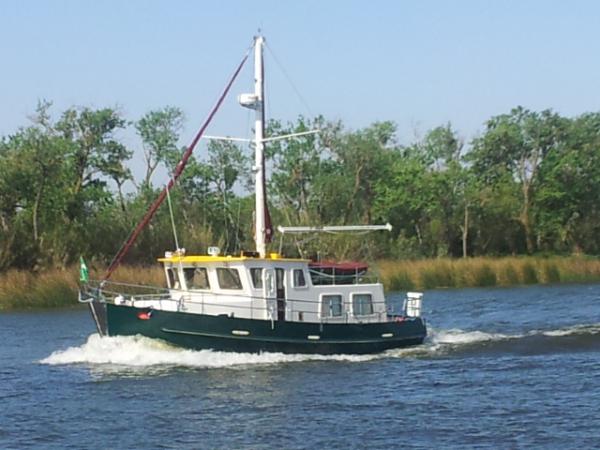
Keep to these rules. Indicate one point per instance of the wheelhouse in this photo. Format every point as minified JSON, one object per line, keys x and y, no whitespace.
{"x":274,"y":288}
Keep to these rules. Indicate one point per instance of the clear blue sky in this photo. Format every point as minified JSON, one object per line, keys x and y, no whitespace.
{"x":417,"y":63}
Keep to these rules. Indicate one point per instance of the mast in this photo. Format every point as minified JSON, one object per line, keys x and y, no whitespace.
{"x":263,"y":228}
{"x":259,"y":130}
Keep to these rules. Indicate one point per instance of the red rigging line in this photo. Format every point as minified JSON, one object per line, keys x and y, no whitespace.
{"x":177,"y":173}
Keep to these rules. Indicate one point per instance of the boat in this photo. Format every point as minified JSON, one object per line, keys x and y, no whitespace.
{"x":256,"y":301}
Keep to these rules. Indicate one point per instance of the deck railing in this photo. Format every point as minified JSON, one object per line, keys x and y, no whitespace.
{"x":296,"y":310}
{"x":320,"y":278}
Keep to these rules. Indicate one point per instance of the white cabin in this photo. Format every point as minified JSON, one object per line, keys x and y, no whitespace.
{"x":271,"y":288}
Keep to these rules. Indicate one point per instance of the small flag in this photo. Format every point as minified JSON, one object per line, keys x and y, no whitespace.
{"x":84,"y":274}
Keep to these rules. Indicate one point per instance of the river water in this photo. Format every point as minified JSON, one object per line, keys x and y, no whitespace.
{"x":502,"y":368}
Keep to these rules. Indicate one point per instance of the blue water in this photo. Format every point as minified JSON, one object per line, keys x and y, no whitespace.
{"x":502,"y":368}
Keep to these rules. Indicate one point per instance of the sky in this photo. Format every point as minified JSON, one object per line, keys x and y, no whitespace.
{"x":418,"y":63}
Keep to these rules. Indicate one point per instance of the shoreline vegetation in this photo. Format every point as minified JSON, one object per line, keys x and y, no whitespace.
{"x":527,"y":184}
{"x":506,"y":271}
{"x":22,"y":290}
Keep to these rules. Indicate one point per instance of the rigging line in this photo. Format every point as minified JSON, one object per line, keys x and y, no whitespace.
{"x":173,"y":225}
{"x":178,"y":170}
{"x":289,"y":79}
{"x":238,"y":245}
{"x":225,"y":217}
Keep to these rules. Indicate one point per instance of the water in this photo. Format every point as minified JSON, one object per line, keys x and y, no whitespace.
{"x":502,"y":368}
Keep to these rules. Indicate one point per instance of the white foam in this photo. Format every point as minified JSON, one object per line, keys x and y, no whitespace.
{"x":573,"y":330}
{"x":141,"y":352}
{"x":137,"y":351}
{"x":457,"y":336}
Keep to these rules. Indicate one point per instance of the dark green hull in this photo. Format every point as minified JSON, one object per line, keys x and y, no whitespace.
{"x":223,"y":333}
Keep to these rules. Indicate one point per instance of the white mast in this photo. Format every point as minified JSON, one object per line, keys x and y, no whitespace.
{"x":256,"y":102}
{"x":259,"y":237}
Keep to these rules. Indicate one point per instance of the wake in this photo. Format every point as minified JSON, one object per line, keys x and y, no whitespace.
{"x":137,"y":352}
{"x":574,"y":338}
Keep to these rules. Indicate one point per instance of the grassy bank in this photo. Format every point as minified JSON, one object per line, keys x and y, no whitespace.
{"x":482,"y":272}
{"x":58,"y":288}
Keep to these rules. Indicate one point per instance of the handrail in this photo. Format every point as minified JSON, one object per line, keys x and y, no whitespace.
{"x":102,"y":292}
{"x":166,"y":291}
{"x":330,"y":279}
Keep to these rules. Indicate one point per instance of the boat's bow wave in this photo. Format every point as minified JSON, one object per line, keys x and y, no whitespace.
{"x":140,"y":352}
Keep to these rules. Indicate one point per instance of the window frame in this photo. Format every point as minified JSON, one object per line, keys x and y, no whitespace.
{"x":304,"y":278}
{"x":260,"y":284}
{"x":173,"y":278}
{"x":321,"y":305}
{"x":235,"y":270}
{"x":352,"y":297}
{"x":197,"y":269}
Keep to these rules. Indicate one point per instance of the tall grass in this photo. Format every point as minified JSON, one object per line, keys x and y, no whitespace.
{"x":58,"y":288}
{"x":484,"y":271}
{"x":23,"y":290}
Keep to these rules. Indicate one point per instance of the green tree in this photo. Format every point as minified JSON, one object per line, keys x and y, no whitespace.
{"x":159,"y":131}
{"x":517,"y":144}
{"x":569,"y":192}
{"x":296,"y":166}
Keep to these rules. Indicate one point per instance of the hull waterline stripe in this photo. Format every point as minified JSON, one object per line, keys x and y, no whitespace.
{"x":291,"y":341}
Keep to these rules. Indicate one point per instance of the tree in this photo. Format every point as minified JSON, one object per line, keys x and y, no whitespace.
{"x":297,"y":167}
{"x":365,"y":157}
{"x":226,"y":164}
{"x":94,"y":149}
{"x":159,"y":131}
{"x":568,"y":196}
{"x":517,"y":143}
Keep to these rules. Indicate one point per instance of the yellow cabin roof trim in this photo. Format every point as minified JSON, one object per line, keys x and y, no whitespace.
{"x":223,"y":259}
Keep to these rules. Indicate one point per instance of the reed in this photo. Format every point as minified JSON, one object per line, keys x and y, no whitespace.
{"x":23,"y":290}
{"x":58,"y":288}
{"x":486,"y":271}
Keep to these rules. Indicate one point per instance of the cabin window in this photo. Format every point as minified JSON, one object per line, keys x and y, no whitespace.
{"x":196,"y":278}
{"x":299,"y":280}
{"x":173,"y":278}
{"x":362,"y":304}
{"x":331,"y":306}
{"x":256,"y":275}
{"x":229,"y":278}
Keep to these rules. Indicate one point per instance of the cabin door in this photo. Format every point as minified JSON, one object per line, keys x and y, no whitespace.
{"x":280,"y":292}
